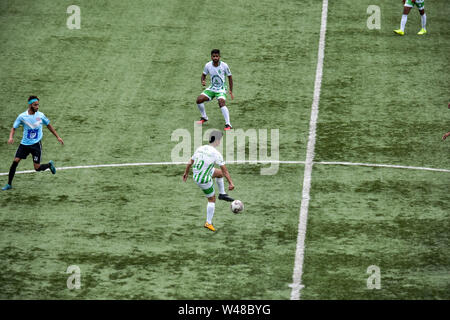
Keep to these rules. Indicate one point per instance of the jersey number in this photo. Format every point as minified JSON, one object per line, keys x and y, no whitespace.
{"x":199,"y":164}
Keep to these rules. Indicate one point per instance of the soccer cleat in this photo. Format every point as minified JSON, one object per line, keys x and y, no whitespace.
{"x":399,"y":32}
{"x":209,"y":226}
{"x":7,"y":187}
{"x":228,"y":127}
{"x":422,"y":31}
{"x":52,"y":167}
{"x":202,"y":120}
{"x":225,"y":197}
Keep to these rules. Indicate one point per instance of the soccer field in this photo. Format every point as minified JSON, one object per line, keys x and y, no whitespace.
{"x":120,"y":88}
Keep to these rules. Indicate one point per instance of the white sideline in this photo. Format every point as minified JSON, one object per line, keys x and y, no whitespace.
{"x":300,"y":249}
{"x":236,"y":162}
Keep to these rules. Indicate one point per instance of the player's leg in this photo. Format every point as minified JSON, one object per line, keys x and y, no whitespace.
{"x":208,"y":190}
{"x":210,"y":208}
{"x":45,"y":166}
{"x":218,"y":175}
{"x":36,"y":152}
{"x":12,"y":172}
{"x":22,"y":153}
{"x":201,"y":99}
{"x":406,"y":9}
{"x":423,"y":19}
{"x":225,"y":112}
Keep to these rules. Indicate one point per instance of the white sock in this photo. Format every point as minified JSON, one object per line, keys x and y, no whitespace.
{"x":210,"y":211}
{"x":403,"y":22}
{"x":424,"y":21}
{"x":201,"y":107}
{"x":226,"y":115}
{"x":221,"y":185}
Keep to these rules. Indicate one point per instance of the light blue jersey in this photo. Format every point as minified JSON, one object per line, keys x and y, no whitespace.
{"x":32,"y":126}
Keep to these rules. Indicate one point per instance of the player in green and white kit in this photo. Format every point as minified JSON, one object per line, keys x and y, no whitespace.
{"x":408,"y":4}
{"x":217,"y":70}
{"x":203,"y":162}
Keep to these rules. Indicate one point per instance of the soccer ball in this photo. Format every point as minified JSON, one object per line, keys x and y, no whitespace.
{"x":237,"y":206}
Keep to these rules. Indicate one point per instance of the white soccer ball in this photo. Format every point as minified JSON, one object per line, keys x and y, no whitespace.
{"x":237,"y":206}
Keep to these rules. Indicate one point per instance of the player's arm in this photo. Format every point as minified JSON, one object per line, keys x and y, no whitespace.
{"x":17,"y":124}
{"x":203,"y":79}
{"x":186,"y":171}
{"x":445,"y":135}
{"x":226,"y":174}
{"x":11,"y":136}
{"x":230,"y":83}
{"x":52,"y":130}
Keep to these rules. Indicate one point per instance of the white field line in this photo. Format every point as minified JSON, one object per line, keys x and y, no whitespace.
{"x":139,"y":164}
{"x":300,"y":249}
{"x":381,"y":166}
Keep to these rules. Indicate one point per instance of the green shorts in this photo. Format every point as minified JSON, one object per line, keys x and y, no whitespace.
{"x":420,"y":4}
{"x":212,"y":94}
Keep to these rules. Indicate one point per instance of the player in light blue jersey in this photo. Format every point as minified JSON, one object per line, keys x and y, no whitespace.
{"x":32,"y":121}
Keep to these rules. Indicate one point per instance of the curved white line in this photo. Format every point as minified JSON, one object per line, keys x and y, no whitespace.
{"x":238,"y":162}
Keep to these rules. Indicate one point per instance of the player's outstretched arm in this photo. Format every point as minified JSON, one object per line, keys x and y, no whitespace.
{"x":186,"y":171}
{"x":226,"y":174}
{"x":52,"y":130}
{"x":445,"y":135}
{"x":11,"y":136}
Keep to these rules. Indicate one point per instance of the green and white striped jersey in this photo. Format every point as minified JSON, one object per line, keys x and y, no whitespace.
{"x":204,"y":159}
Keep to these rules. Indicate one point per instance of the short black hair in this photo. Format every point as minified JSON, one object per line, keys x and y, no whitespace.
{"x":215,"y":136}
{"x":32,"y":97}
{"x":215,"y":51}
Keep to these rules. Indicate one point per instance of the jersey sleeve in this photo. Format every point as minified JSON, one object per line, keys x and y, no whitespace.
{"x":227,"y":70}
{"x":45,"y":120}
{"x":219,"y":160}
{"x":18,"y":122}
{"x":205,"y":69}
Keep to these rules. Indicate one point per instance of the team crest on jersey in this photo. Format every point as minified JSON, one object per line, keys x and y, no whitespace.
{"x":32,"y":134}
{"x":216,"y":81}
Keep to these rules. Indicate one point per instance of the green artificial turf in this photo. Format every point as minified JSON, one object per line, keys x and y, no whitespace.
{"x":120,"y":88}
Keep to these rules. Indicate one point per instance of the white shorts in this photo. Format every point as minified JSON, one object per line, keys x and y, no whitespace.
{"x":207,"y":188}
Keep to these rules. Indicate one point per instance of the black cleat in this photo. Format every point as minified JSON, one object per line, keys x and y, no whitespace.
{"x":225,"y":197}
{"x":227,"y":127}
{"x":202,"y":120}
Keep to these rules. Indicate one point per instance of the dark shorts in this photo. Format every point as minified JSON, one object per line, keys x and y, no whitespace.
{"x":35,"y":149}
